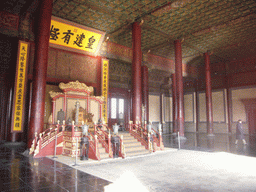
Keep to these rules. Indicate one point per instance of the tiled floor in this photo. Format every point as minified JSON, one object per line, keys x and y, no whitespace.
{"x":219,"y":142}
{"x":20,"y":173}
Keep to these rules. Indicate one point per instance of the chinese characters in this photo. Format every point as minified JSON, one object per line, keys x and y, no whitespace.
{"x":79,"y":39}
{"x":20,"y":84}
{"x":105,"y":88}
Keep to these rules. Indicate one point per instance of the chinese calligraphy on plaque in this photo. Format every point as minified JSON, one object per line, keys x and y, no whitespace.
{"x":73,"y":36}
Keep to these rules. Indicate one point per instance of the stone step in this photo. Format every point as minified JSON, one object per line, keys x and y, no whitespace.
{"x":102,"y":151}
{"x":128,"y":143}
{"x":136,"y":153}
{"x":104,"y":156}
{"x":134,"y":148}
{"x":126,"y":135}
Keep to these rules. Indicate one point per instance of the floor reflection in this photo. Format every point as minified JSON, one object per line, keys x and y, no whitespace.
{"x":20,"y":173}
{"x":217,"y":143}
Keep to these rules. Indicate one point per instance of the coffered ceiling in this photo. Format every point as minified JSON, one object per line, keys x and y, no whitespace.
{"x":226,"y":28}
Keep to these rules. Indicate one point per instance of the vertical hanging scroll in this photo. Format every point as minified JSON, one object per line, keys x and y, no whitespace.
{"x":19,"y":89}
{"x":104,"y":88}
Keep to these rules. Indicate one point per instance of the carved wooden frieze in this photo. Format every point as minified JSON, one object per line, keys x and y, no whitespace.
{"x":76,"y":85}
{"x":54,"y":94}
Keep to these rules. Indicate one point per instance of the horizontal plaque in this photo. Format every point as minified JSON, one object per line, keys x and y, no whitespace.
{"x":74,"y":37}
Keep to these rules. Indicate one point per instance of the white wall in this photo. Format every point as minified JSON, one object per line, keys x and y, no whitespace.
{"x":154,"y":108}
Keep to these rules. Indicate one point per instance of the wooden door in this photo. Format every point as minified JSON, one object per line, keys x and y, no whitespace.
{"x":119,"y":107}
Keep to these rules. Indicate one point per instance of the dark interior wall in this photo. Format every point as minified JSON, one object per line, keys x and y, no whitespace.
{"x":8,"y":55}
{"x":72,"y":66}
{"x":65,"y":66}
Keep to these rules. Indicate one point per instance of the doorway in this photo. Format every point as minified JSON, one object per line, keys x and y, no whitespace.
{"x":119,"y":107}
{"x":117,"y":112}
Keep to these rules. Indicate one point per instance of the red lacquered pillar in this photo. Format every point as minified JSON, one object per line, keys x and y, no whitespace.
{"x":144,"y":71}
{"x":179,"y":89}
{"x":136,"y":72}
{"x":40,"y":69}
{"x":208,"y":94}
{"x":174,"y":104}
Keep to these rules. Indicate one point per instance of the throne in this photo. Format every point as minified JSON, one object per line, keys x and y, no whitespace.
{"x":89,"y":109}
{"x":83,"y":118}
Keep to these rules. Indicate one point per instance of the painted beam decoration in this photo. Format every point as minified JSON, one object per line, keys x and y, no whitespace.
{"x":74,"y":37}
{"x":104,"y":89}
{"x":20,"y":84}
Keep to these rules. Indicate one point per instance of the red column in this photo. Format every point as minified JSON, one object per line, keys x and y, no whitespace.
{"x":208,"y":94}
{"x":144,"y":71}
{"x":229,"y":104}
{"x":174,"y":103}
{"x":136,"y":72}
{"x":40,"y":69}
{"x":129,"y":107}
{"x":179,"y":83}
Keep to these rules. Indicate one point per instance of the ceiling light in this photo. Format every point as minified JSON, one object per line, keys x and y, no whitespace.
{"x":107,"y":38}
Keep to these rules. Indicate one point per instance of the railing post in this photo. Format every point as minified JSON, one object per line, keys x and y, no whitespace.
{"x":122,"y":150}
{"x":149,"y":147}
{"x":63,"y":126}
{"x":130,"y":126}
{"x":161,"y":140}
{"x":49,"y":136}
{"x":38,"y":145}
{"x":36,"y":138}
{"x":96,"y":146}
{"x":40,"y":141}
{"x":109,"y":145}
{"x":73,"y":128}
{"x":58,"y":126}
{"x":56,"y":130}
{"x":95,"y":127}
{"x":76,"y":152}
{"x":55,"y":147}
